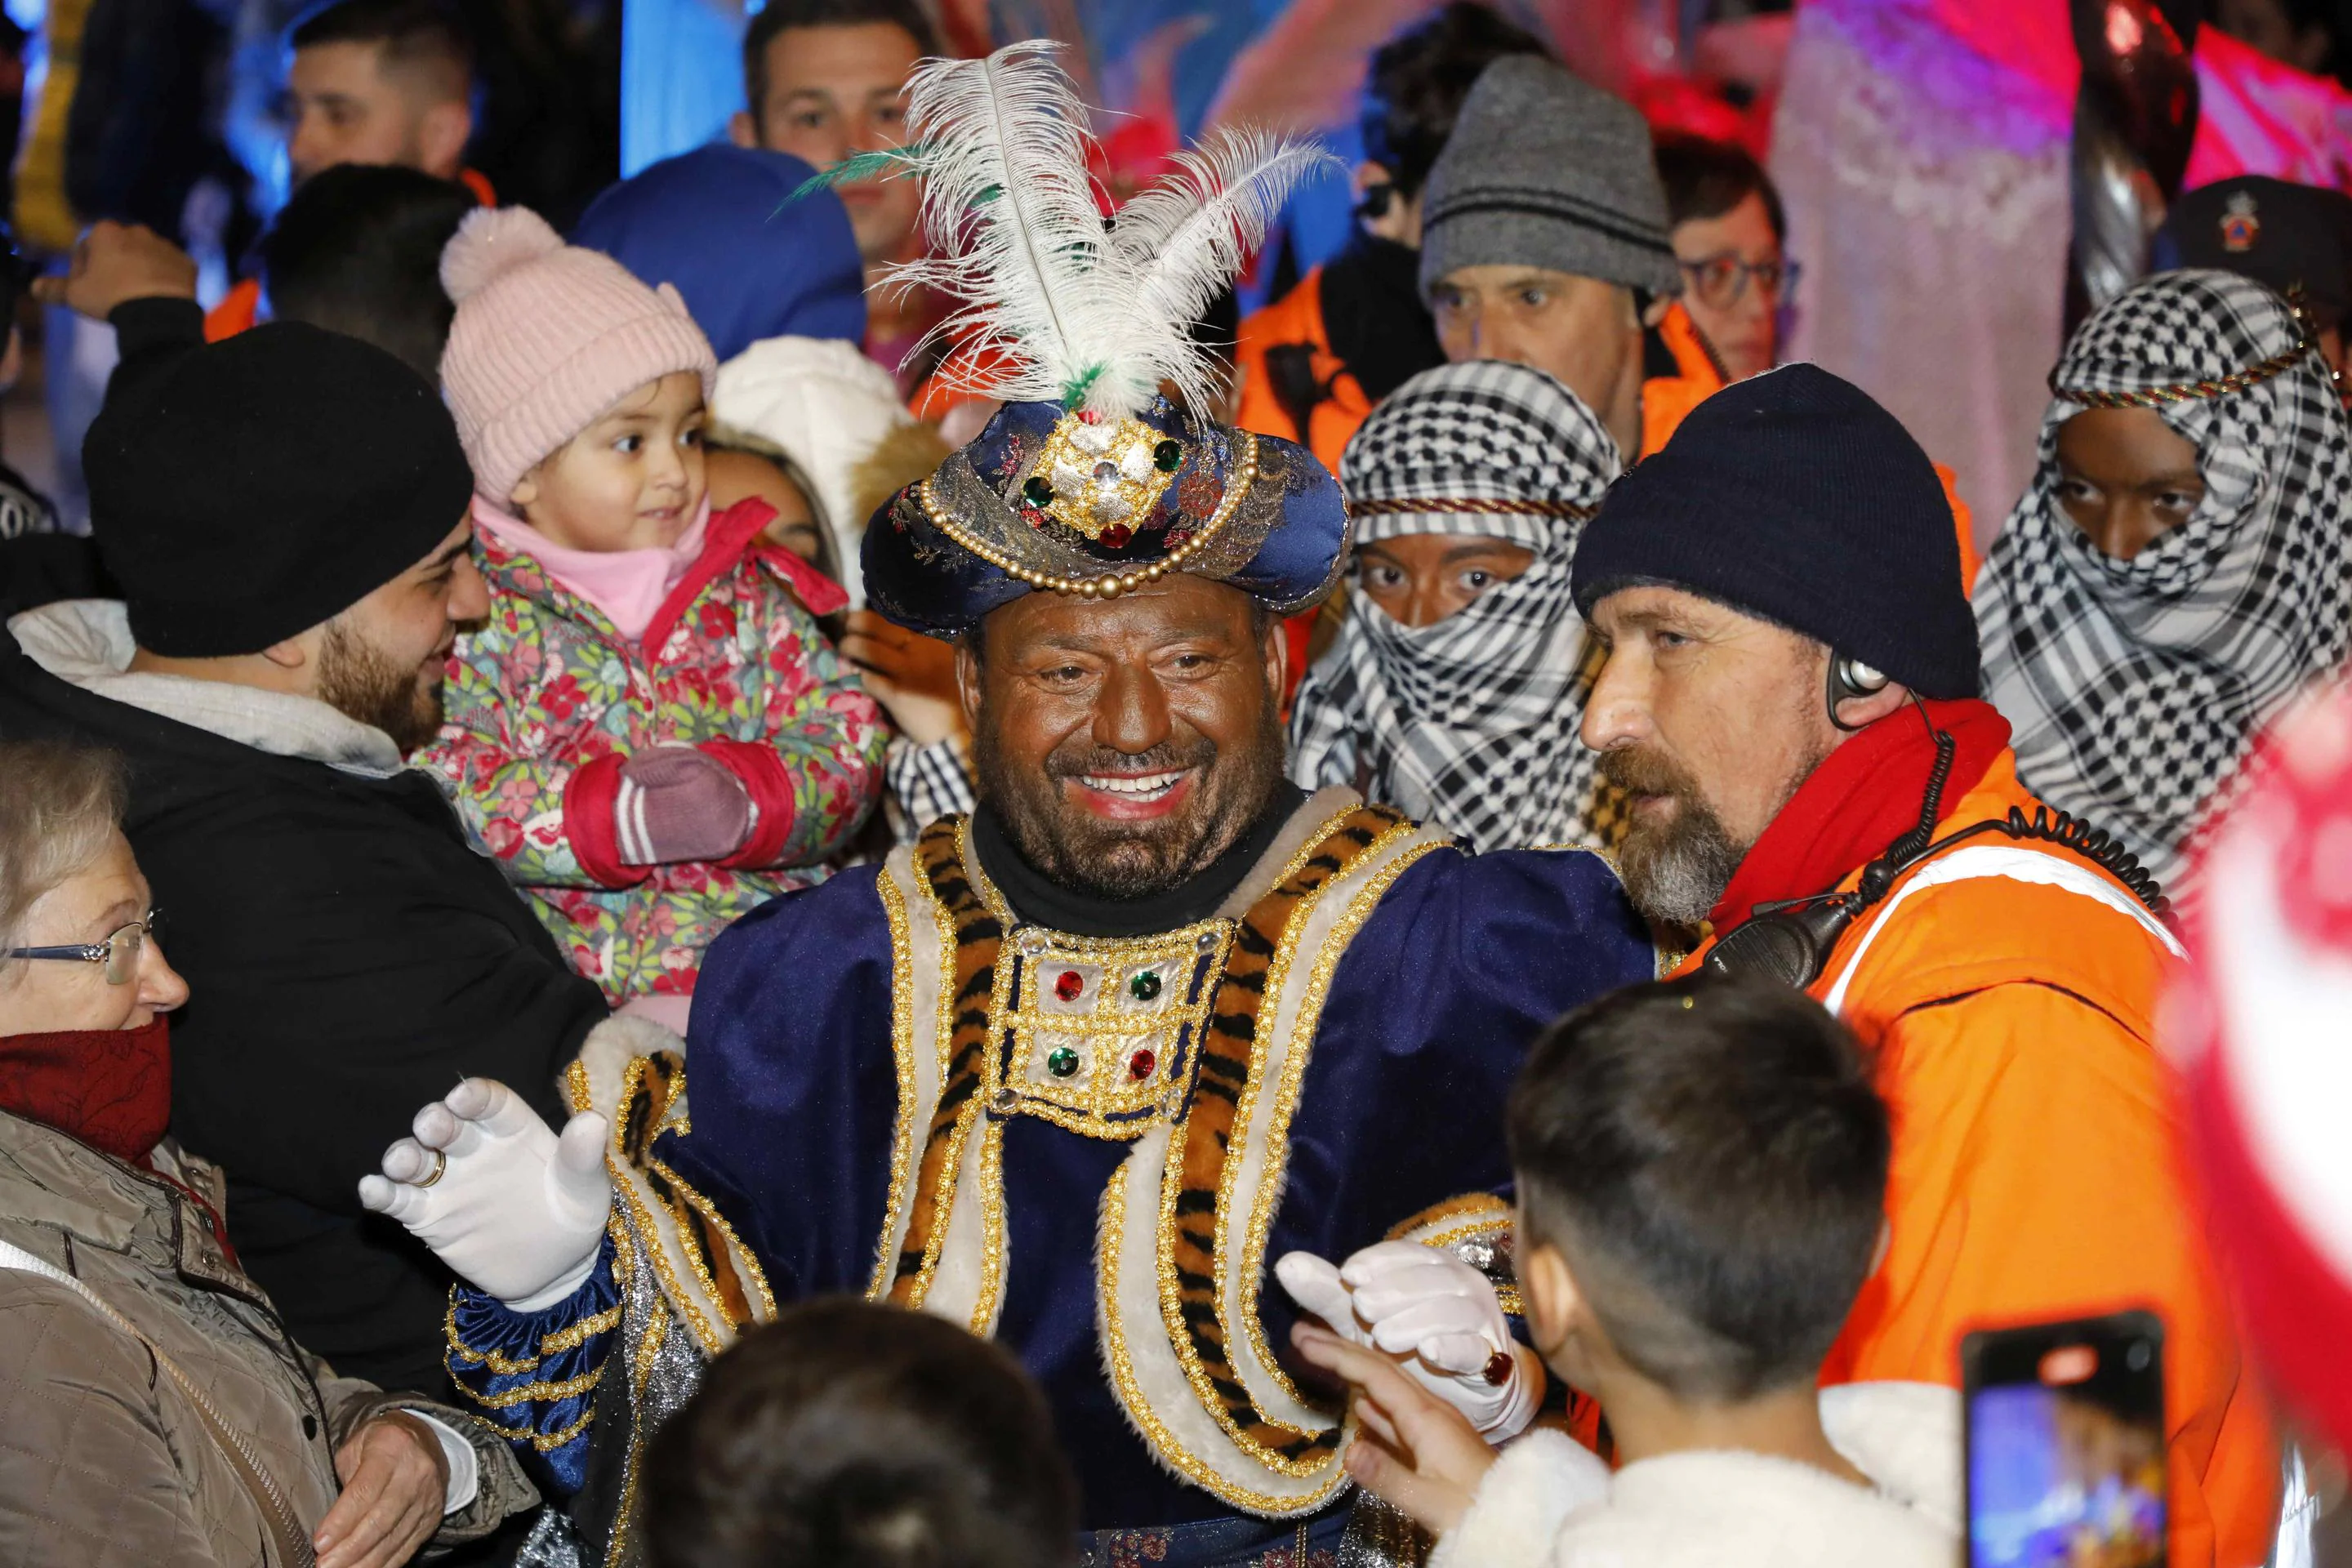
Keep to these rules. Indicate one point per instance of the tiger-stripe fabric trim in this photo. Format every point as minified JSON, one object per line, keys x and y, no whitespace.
{"x":1193,"y":1241}
{"x":978,"y":938}
{"x":636,"y":1078}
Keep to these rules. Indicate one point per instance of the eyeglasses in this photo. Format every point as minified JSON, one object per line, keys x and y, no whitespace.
{"x":1719,"y":280}
{"x":118,"y":953}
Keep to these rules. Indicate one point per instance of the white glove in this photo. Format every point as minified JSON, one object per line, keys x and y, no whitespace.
{"x":1434,"y":1313}
{"x":516,"y":1210}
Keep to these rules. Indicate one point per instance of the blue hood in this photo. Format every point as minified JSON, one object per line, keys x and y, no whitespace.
{"x":721,"y":224}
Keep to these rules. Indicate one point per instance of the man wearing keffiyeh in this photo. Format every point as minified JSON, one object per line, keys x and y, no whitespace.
{"x":2181,"y":565}
{"x":1466,"y":718}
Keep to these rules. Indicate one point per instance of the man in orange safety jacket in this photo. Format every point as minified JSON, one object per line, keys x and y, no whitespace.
{"x":1789,"y":698}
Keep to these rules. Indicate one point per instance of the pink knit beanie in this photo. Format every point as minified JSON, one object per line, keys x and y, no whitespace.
{"x":547,"y":337}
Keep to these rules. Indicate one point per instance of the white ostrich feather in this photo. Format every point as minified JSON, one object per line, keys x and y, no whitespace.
{"x":1016,"y":234}
{"x":1190,"y":232}
{"x":1054,"y":305}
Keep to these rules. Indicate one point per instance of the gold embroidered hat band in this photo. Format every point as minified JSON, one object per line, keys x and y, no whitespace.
{"x":1095,"y":477}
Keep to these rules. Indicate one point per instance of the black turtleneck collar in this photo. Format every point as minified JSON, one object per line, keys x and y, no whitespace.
{"x":1039,"y":901}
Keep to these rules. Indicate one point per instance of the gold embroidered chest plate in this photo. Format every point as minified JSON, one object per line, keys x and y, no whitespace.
{"x":1099,"y":1035}
{"x":1102,"y":1033}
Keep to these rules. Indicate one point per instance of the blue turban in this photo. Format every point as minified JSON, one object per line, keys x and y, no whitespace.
{"x":1046,"y":500}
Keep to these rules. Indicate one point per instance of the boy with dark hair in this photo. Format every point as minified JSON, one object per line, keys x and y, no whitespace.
{"x":1354,"y":329}
{"x":1729,"y":232}
{"x":824,"y":80}
{"x":380,"y":81}
{"x":1702,"y":1174}
{"x":851,"y":1435}
{"x":358,"y":251}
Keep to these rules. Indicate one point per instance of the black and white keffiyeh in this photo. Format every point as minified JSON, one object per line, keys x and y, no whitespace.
{"x":2135,"y":686}
{"x":1471,"y":722}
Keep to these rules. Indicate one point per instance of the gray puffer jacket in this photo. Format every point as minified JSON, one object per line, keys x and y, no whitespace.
{"x":103,"y":1461}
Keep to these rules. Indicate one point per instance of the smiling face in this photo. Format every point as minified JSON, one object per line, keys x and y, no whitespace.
{"x":1711,"y":720}
{"x":1126,"y":745}
{"x":2125,"y":477}
{"x":631,"y":480}
{"x":47,"y":996}
{"x":380,"y":661}
{"x":1421,"y":578}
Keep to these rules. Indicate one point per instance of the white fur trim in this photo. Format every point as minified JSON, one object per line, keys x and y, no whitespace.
{"x":1148,"y":1372}
{"x":1517,"y":1511}
{"x":603,"y":1067}
{"x":1142,"y":1366}
{"x":1258,"y":1160}
{"x":1905,"y":1436}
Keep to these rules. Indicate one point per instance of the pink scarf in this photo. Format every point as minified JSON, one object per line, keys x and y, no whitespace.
{"x":627,"y":587}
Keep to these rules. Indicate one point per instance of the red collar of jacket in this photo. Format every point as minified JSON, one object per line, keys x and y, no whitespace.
{"x":732,"y":536}
{"x":1862,"y":798}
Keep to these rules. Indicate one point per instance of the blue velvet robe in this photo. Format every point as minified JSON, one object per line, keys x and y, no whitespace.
{"x":793,"y":1094}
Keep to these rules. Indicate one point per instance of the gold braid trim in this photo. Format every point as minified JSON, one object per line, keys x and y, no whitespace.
{"x":902,"y":1053}
{"x":1192,"y":1210}
{"x":2184,"y":391}
{"x":1112,"y":582}
{"x":1483,"y":1211}
{"x":545,"y":1442}
{"x":561,"y":1340}
{"x":972,"y":975}
{"x":1474,"y":1217}
{"x":531,"y":1391}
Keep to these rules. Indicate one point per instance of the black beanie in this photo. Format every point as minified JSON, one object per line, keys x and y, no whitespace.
{"x":1795,"y":498}
{"x":258,"y":487}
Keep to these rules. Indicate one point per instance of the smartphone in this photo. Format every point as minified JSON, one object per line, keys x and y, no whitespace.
{"x":2065,"y":1444}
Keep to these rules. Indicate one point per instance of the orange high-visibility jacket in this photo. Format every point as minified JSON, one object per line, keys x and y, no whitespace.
{"x":2038,"y":1167}
{"x":1297,"y":318}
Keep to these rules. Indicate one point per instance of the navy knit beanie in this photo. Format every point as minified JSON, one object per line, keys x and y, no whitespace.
{"x":261,"y":485}
{"x":1795,"y":498}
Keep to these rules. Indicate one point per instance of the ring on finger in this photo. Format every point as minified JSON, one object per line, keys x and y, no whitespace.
{"x":440,"y":1166}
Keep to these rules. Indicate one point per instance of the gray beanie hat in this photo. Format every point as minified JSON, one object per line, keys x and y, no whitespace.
{"x":1544,"y":170}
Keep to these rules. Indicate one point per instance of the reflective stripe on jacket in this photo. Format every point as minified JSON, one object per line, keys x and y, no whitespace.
{"x":2038,"y":1166}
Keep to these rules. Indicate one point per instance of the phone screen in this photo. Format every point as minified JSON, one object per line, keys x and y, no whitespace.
{"x":2066,"y":1438}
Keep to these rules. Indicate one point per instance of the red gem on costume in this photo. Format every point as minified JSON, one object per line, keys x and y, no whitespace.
{"x":1497,"y":1369}
{"x":1069,"y":985}
{"x":1117,"y":535}
{"x":1034,"y":517}
{"x":1089,"y":417}
{"x":1139,"y":1065}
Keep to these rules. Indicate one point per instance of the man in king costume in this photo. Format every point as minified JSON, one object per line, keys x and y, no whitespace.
{"x":1074,"y":1070}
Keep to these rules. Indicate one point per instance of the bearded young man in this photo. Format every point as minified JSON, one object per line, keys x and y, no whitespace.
{"x":1071,"y":1070}
{"x":1791,"y":698}
{"x":286,"y":512}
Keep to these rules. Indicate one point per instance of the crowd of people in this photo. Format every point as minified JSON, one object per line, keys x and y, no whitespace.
{"x":1454,"y":921}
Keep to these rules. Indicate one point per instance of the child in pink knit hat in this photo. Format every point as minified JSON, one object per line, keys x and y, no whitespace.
{"x":649,"y":731}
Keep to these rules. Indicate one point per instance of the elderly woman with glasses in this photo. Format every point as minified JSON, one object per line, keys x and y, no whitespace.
{"x":155,"y":1409}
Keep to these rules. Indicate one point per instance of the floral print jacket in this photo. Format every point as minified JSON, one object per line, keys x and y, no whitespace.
{"x":546,"y":698}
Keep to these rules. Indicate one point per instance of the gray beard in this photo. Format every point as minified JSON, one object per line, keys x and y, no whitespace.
{"x":1675,"y":878}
